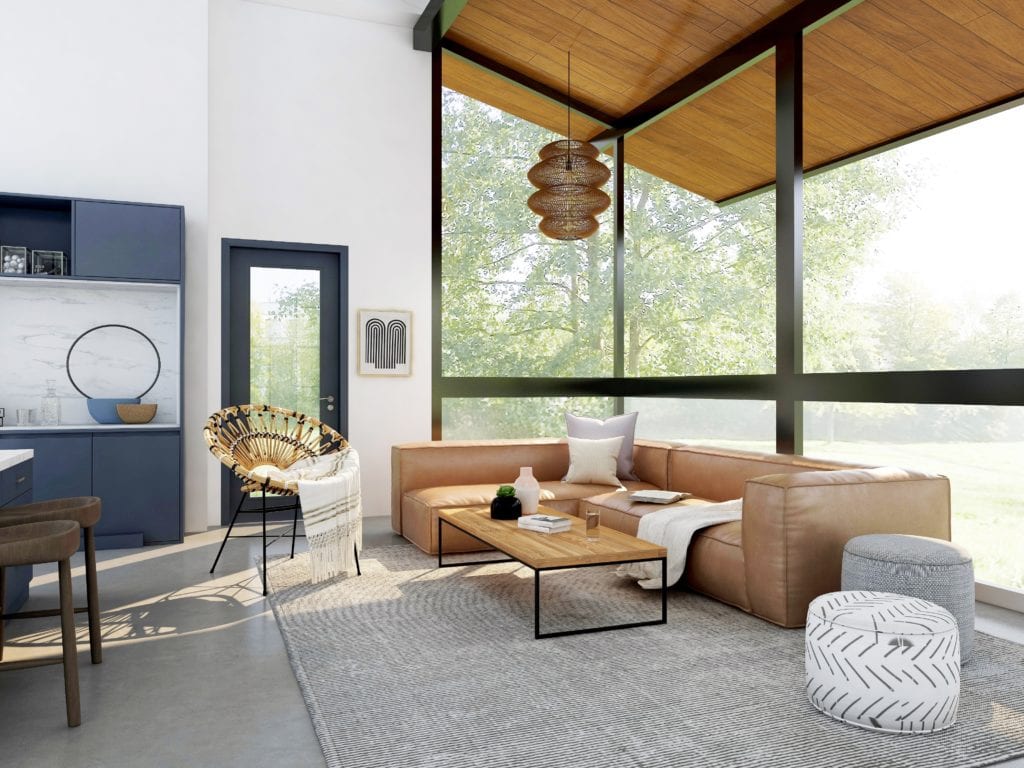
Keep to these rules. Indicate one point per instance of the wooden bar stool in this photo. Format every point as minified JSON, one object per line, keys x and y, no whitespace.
{"x":49,"y":542}
{"x":84,"y":510}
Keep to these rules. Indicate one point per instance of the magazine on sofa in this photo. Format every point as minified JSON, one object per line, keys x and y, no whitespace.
{"x":658,"y":497}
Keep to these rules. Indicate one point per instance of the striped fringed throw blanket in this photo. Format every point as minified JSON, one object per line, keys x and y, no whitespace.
{"x":331,"y":510}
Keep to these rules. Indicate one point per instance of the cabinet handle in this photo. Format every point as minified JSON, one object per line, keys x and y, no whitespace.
{"x":21,"y":480}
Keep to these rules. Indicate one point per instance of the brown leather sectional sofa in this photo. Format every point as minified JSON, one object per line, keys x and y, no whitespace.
{"x":797,"y":512}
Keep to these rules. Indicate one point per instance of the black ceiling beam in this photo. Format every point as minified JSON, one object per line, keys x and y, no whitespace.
{"x":527,"y":82}
{"x":795,"y":20}
{"x":423,"y":30}
{"x":423,"y":38}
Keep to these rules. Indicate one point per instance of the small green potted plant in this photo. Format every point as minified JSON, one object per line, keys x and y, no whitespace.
{"x":505,"y":505}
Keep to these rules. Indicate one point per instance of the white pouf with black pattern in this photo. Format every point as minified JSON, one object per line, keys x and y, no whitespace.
{"x":882,"y":661}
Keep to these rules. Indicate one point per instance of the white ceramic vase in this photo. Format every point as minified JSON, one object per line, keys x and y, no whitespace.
{"x":527,"y":490}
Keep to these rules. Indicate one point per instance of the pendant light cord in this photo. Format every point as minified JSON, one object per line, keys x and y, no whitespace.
{"x":568,"y":109}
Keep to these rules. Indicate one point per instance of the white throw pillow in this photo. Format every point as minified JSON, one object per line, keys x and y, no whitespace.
{"x":594,"y":461}
{"x":595,"y":429}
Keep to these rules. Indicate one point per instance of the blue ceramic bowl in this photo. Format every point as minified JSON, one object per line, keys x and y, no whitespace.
{"x":104,"y":409}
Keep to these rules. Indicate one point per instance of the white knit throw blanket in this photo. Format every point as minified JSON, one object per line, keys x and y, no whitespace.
{"x":673,"y":528}
{"x":331,"y":510}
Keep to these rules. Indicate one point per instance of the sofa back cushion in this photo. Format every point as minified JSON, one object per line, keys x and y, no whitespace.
{"x":721,"y":474}
{"x":469,"y":462}
{"x":650,"y":462}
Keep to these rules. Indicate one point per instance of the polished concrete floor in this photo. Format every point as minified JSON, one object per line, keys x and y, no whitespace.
{"x":195,"y":672}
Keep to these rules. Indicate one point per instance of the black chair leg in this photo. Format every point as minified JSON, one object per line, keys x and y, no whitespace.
{"x":264,"y":541}
{"x":295,"y":527}
{"x":355,"y":548}
{"x":227,"y":535}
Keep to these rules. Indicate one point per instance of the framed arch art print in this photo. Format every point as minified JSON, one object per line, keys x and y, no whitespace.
{"x":385,"y":342}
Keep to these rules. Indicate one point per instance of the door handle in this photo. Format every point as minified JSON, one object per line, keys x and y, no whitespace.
{"x":330,"y":402}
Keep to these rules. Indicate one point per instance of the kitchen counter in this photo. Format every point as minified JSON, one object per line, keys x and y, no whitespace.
{"x":10,"y":459}
{"x":34,"y":428}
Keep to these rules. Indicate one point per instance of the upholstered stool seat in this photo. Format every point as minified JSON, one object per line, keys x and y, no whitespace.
{"x":49,"y":542}
{"x":41,"y":542}
{"x":883,"y":662}
{"x":86,"y":511}
{"x":938,"y":571}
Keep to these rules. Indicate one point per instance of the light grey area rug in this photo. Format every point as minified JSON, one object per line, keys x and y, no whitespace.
{"x":408,"y":666}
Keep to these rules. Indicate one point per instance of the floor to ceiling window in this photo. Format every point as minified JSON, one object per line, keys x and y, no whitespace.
{"x":928,"y":280}
{"x":700,"y":281}
{"x":514,"y":302}
{"x":910,"y":266}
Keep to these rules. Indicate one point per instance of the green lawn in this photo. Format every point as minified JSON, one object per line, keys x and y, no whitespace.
{"x":987,"y":481}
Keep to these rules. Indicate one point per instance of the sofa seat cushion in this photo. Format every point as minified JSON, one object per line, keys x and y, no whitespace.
{"x":446,"y":496}
{"x":728,"y":534}
{"x":619,"y":501}
{"x":420,"y":508}
{"x":714,"y":564}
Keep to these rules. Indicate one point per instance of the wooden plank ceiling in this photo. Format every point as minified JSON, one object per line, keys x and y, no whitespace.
{"x":883,"y":70}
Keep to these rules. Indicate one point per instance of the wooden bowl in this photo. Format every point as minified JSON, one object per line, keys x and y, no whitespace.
{"x":141,"y":413}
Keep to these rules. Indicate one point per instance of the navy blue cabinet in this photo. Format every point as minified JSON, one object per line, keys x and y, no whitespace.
{"x":135,"y":469}
{"x":127,"y":240}
{"x":15,"y":489}
{"x":137,"y":476}
{"x":62,"y":463}
{"x":35,"y":223}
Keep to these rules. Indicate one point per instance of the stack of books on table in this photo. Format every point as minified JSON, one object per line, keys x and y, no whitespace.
{"x":545,"y":523}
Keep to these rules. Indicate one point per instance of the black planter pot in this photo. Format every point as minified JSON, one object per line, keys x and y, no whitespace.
{"x":506,"y":508}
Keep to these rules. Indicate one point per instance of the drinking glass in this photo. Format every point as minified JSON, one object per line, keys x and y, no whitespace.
{"x":593,"y":522}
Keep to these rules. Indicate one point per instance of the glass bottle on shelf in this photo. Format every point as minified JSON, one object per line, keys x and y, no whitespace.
{"x":49,"y":408}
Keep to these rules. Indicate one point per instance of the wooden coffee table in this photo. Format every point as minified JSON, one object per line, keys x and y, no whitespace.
{"x":553,"y":551}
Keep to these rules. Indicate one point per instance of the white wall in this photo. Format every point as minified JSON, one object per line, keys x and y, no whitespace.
{"x":320,"y":133}
{"x":265,"y":123}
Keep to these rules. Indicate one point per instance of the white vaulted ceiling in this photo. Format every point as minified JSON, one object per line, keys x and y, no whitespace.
{"x":399,"y":13}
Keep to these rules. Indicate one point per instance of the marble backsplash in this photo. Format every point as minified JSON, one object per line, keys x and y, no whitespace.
{"x":39,"y":322}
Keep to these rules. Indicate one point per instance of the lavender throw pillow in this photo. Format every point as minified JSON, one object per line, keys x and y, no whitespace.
{"x":623,"y":426}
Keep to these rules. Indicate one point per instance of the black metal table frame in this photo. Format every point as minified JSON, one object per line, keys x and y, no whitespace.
{"x":537,"y":634}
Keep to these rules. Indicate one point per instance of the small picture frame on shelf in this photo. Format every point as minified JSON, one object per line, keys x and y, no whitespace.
{"x":49,"y":263}
{"x":13,"y":260}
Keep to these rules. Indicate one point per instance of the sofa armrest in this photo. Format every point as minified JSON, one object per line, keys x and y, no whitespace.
{"x":796,"y":525}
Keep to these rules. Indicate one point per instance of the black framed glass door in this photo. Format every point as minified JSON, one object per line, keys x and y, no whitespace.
{"x":285,"y":331}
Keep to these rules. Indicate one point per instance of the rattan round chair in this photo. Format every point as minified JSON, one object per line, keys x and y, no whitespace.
{"x":251,"y":439}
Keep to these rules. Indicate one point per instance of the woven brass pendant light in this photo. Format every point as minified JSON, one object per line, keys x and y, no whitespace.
{"x":569,"y":179}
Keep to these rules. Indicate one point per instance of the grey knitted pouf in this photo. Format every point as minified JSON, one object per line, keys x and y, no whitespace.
{"x":931,"y":569}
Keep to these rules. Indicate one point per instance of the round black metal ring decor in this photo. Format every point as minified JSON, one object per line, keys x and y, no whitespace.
{"x":67,"y":362}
